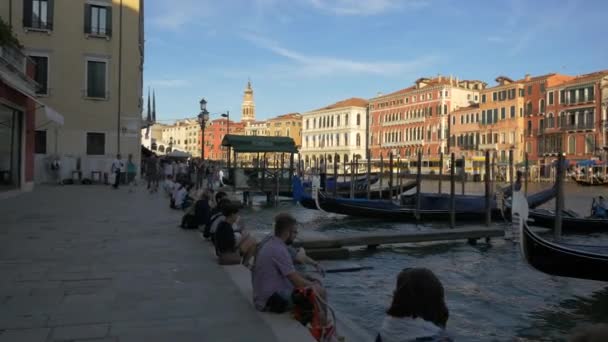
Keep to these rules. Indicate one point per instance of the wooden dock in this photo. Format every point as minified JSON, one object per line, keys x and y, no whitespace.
{"x":325,"y":246}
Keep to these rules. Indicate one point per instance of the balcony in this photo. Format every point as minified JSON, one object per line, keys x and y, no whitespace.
{"x":483,"y":147}
{"x":579,"y":100}
{"x":577,"y":127}
{"x":13,"y":57}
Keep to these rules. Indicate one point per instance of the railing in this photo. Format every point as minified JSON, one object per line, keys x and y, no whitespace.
{"x":579,"y":100}
{"x":577,"y":127}
{"x":13,"y":57}
{"x":488,"y":146}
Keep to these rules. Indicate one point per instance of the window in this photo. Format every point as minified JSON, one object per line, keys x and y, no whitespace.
{"x":96,"y":144}
{"x":541,"y":105}
{"x":529,"y":108}
{"x":345,"y":139}
{"x":562,"y":96}
{"x":483,"y":98}
{"x":494,"y":96}
{"x":445,"y":109}
{"x":41,"y":73}
{"x":589,"y":143}
{"x":40,"y":142}
{"x":98,"y":20}
{"x":503,"y":113}
{"x":550,"y":121}
{"x":495,"y":119}
{"x":521,"y":92}
{"x":307,"y":123}
{"x":96,"y":79}
{"x":571,"y":144}
{"x":512,"y":113}
{"x":346,"y":119}
{"x":542,"y":87}
{"x":38,"y":14}
{"x":530,"y":90}
{"x":358,"y":119}
{"x":550,"y":98}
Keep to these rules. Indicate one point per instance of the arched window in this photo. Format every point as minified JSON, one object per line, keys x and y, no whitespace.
{"x":529,"y":108}
{"x":314,"y":141}
{"x":358,"y":140}
{"x":346,"y":158}
{"x":306,"y":141}
{"x":346,"y":120}
{"x":589,"y":143}
{"x":337,"y":158}
{"x":571,"y":144}
{"x":329,"y":159}
{"x":314,"y":123}
{"x":345,"y":139}
{"x":338,"y":121}
{"x":307,"y":122}
{"x":581,"y":119}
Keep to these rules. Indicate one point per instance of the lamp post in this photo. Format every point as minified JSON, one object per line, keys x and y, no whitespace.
{"x":203,"y":117}
{"x":227,"y":116}
{"x":170,"y":144}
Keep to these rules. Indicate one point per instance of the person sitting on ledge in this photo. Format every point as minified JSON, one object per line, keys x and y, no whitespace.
{"x":219,"y":196}
{"x":181,"y":198}
{"x":274,"y":276}
{"x":198,"y":214}
{"x":215,"y":219}
{"x":231,"y":243}
{"x":418,"y":311}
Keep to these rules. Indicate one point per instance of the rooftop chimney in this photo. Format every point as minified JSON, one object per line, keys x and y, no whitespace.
{"x":527,"y":78}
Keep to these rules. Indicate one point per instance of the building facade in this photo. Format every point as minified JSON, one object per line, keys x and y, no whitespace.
{"x":575,"y":120}
{"x":183,"y":135}
{"x":256,"y":128}
{"x":89,"y":65}
{"x":336,"y":132}
{"x":214,"y":134}
{"x":415,"y":119}
{"x":17,"y":119}
{"x":286,"y":125}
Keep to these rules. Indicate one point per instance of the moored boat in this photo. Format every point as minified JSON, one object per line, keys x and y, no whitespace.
{"x":571,"y":221}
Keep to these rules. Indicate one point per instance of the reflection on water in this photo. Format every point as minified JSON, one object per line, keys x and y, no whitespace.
{"x":492,"y":294}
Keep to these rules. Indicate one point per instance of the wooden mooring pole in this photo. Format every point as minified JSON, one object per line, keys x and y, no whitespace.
{"x":369,"y":171}
{"x":452,"y":191}
{"x":559,"y":200}
{"x":511,"y":168}
{"x":526,"y":174}
{"x":440,"y":170}
{"x":463,"y":175}
{"x":418,"y":180}
{"x":487,"y":190}
{"x":390,"y":175}
{"x":335,"y":175}
{"x":381,"y":175}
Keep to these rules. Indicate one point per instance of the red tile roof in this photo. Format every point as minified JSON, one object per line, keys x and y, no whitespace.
{"x":352,"y":102}
{"x":585,"y":77}
{"x":467,"y":108}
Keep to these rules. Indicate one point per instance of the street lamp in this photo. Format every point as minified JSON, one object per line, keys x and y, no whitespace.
{"x":170,"y":144}
{"x":203,"y":117}
{"x":227,"y":116}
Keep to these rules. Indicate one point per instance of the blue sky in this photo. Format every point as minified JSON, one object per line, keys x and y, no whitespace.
{"x":305,"y":54}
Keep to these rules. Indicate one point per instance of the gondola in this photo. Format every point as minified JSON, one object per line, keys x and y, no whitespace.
{"x":433,"y":207}
{"x":564,"y":260}
{"x":559,"y":259}
{"x":571,"y":221}
{"x":586,"y":182}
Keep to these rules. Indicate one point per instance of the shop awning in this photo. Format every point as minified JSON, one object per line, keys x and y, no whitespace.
{"x":252,"y":144}
{"x":27,"y":89}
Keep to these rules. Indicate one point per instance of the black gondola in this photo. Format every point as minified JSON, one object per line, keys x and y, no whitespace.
{"x":595,"y":182}
{"x":564,"y":260}
{"x":571,"y":222}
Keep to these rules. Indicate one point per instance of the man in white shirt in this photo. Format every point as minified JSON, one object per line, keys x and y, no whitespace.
{"x":117,"y":167}
{"x":221,"y":176}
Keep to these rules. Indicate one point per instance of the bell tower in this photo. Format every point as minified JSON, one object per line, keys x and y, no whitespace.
{"x":248,"y":106}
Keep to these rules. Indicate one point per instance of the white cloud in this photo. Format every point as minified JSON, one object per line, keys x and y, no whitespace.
{"x":311,"y":65}
{"x":168,"y":83}
{"x":174,"y":14}
{"x":364,"y":7}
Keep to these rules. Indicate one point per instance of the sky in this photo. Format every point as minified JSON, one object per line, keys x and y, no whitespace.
{"x":301,"y":55}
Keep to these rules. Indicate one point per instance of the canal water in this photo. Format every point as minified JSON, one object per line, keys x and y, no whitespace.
{"x":492,"y":294}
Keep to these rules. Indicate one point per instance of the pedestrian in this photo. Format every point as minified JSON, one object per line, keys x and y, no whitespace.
{"x":418,"y":311}
{"x":131,"y":172}
{"x":220,"y":177}
{"x":209,"y":172}
{"x":152,"y":173}
{"x":116,"y":169}
{"x":200,"y":172}
{"x":56,"y":170}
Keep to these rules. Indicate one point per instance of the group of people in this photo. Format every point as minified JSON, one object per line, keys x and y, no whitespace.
{"x":120,"y":168}
{"x":191,"y":173}
{"x":418,"y":309}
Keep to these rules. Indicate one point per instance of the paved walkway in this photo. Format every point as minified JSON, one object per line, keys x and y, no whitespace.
{"x":93,"y":263}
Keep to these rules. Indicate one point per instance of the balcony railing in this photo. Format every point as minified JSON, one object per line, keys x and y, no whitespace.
{"x":13,"y":57}
{"x":488,"y":146}
{"x":579,"y":126}
{"x":579,"y":100}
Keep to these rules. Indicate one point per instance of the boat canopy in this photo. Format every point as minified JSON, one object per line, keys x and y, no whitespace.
{"x":252,"y":144}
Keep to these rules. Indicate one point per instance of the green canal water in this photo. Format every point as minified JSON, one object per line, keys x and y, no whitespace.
{"x":492,"y":294}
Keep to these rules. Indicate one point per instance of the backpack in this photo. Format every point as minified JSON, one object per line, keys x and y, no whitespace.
{"x":189,"y":222}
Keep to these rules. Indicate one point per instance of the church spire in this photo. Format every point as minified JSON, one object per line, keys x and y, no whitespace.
{"x":153,"y":105}
{"x":149,"y":116}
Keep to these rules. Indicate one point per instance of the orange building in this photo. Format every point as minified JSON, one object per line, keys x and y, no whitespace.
{"x":465,"y":131}
{"x":575,"y":122}
{"x":286,"y":125}
{"x":539,"y":112}
{"x":214,"y":133}
{"x":415,"y":119}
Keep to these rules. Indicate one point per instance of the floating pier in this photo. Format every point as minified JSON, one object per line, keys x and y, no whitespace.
{"x":325,"y":246}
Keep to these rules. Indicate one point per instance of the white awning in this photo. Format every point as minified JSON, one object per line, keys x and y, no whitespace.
{"x":27,"y":89}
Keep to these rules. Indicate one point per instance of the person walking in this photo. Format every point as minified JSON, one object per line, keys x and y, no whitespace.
{"x":117,"y":167}
{"x":200,"y":170}
{"x":131,"y":172}
{"x":152,"y":173}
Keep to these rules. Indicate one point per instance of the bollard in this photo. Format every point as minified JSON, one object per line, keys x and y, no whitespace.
{"x":452,"y":192}
{"x":559,"y":200}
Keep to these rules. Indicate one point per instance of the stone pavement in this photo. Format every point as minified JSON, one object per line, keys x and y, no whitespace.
{"x":92,"y":263}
